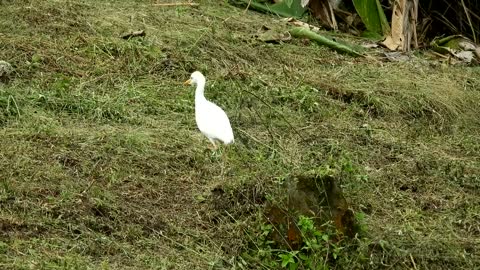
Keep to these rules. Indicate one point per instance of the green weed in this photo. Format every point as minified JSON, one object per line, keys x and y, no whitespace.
{"x":320,"y":248}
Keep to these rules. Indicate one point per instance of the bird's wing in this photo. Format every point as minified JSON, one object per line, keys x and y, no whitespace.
{"x":215,"y":123}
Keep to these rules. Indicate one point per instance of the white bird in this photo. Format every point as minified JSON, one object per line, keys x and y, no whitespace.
{"x":211,"y":120}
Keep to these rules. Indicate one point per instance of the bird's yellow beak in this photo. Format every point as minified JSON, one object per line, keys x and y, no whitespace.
{"x":188,"y":82}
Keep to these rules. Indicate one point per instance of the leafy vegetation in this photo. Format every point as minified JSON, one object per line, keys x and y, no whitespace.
{"x":317,"y":250}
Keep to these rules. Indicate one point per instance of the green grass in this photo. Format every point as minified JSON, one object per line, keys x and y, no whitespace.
{"x":102,"y":166}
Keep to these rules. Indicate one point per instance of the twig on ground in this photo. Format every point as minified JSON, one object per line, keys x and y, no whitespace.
{"x":139,"y":33}
{"x":94,"y":167}
{"x":176,"y":4}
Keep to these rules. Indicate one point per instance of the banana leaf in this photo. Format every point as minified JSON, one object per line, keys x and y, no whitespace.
{"x":285,"y":8}
{"x":342,"y":48}
{"x":457,"y":45}
{"x":373,"y":17}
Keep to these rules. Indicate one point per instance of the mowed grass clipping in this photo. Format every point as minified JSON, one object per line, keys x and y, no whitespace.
{"x":102,"y":167}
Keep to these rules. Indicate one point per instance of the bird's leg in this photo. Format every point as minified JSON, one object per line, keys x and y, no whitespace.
{"x":223,"y":163}
{"x":213,"y":143}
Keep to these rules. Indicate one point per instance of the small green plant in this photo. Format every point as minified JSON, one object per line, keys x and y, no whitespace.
{"x":315,"y":252}
{"x":288,"y":259}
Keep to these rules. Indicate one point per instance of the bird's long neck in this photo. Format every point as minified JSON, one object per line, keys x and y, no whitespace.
{"x":199,"y":91}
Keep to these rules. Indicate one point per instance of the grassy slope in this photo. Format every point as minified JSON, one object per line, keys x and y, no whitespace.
{"x":101,"y":164}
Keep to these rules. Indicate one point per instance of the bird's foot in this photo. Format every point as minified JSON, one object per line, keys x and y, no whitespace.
{"x":213,"y":147}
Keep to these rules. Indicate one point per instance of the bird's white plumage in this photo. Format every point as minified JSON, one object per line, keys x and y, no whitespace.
{"x":211,"y":120}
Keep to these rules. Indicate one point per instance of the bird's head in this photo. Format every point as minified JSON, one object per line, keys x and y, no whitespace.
{"x":195,"y":79}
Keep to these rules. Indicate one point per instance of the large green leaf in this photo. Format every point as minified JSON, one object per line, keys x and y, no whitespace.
{"x":373,"y":17}
{"x":339,"y":47}
{"x":285,"y":8}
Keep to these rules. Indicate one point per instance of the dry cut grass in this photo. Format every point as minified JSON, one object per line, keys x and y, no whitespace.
{"x":101,"y":165}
